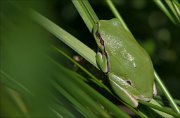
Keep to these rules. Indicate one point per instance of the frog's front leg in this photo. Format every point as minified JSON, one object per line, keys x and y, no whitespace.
{"x":102,"y":61}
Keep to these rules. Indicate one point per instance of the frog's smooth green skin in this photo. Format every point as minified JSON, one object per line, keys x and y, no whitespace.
{"x":128,"y":66}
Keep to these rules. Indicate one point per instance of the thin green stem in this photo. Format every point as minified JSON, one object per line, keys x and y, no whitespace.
{"x":84,"y":14}
{"x":173,"y":9}
{"x":166,"y":92}
{"x":159,"y":108}
{"x":90,"y":10}
{"x":10,"y":80}
{"x":65,"y":37}
{"x":158,"y":98}
{"x":163,"y":8}
{"x":116,"y":13}
{"x":177,"y":101}
{"x":87,"y":13}
{"x":94,"y":79}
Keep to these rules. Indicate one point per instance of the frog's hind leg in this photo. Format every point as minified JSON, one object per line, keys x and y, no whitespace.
{"x":119,"y":88}
{"x":102,"y":61}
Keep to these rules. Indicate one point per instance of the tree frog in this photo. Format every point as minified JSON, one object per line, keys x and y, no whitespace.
{"x":126,"y":63}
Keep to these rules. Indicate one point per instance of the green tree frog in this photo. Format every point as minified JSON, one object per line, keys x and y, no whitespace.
{"x":126,"y":63}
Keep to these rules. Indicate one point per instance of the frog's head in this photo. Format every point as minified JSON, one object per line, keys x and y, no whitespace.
{"x":103,"y":30}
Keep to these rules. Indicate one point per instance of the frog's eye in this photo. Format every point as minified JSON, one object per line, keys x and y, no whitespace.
{"x":115,"y":23}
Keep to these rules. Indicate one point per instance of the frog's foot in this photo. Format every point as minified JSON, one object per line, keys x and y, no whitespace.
{"x":102,"y":62}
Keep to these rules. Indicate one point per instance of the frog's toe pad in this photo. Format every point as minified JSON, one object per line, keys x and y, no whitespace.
{"x":102,"y":62}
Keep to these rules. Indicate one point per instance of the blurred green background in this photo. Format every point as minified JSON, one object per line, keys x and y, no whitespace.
{"x":24,"y":45}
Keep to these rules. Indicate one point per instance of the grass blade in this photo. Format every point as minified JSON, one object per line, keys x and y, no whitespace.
{"x":171,"y":8}
{"x":87,"y":13}
{"x":116,"y":13}
{"x":65,"y":37}
{"x":167,"y":94}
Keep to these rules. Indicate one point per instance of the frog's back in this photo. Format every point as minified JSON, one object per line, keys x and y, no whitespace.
{"x":127,"y":58}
